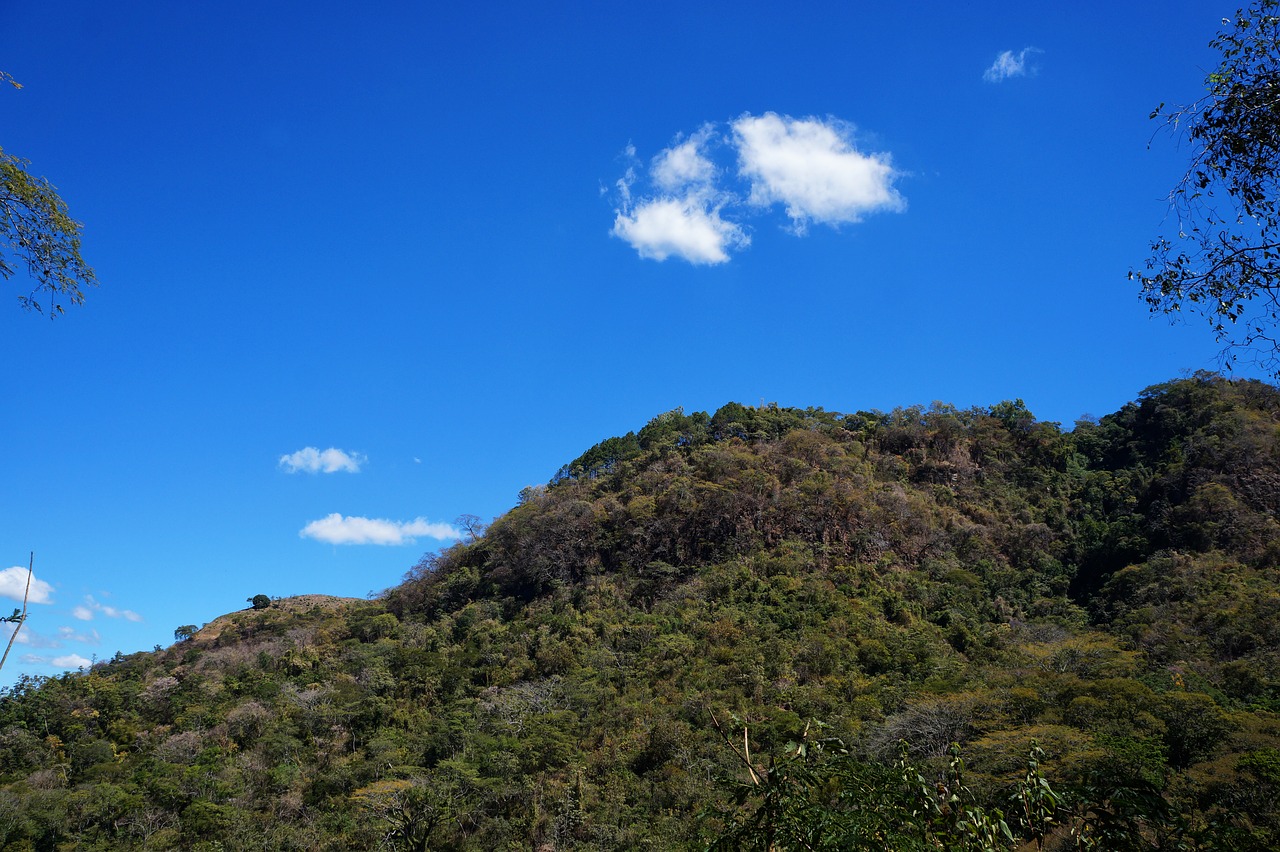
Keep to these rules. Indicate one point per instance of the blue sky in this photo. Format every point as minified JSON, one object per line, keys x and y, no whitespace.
{"x":423,"y":241}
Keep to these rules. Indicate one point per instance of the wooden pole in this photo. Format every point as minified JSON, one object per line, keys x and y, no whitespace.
{"x":21,"y":619}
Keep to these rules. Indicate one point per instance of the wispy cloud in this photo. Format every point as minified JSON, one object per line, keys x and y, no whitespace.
{"x":695,"y":206}
{"x":13,"y":583}
{"x":36,"y":642}
{"x":1009,"y":64}
{"x":66,"y":661}
{"x":685,"y":164}
{"x":69,"y":634}
{"x":337,"y":529}
{"x":314,"y":460}
{"x":29,"y":637}
{"x":91,"y":607}
{"x":813,"y":168}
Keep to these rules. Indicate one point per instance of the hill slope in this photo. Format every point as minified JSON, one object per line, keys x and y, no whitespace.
{"x":585,"y":674}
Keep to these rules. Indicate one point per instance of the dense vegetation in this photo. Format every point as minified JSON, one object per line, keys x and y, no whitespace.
{"x":929,"y":628}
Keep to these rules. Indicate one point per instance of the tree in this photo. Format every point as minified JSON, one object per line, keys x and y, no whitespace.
{"x":472,"y":526}
{"x":411,"y":810}
{"x":1224,"y":261}
{"x":259,"y":601}
{"x":38,"y":235}
{"x":185,"y":632}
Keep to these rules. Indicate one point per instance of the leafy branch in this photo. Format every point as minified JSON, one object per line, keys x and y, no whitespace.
{"x":38,"y":234}
{"x":1224,"y":261}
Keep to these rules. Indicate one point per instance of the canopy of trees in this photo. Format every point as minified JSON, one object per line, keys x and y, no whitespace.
{"x":762,"y":628}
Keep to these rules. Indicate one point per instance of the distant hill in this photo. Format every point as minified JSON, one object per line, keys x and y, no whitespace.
{"x":732,"y":627}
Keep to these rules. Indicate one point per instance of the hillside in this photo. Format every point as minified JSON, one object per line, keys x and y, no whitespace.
{"x":697,"y":606}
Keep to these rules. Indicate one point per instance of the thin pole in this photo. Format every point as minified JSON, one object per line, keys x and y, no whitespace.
{"x":21,"y":619}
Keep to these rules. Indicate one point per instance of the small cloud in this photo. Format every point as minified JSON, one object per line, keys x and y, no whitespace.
{"x":336,"y":529}
{"x":313,"y":460}
{"x":684,"y":228}
{"x":87,"y":610}
{"x":683,"y":220}
{"x":1008,"y":64}
{"x":625,"y":182}
{"x":13,"y":584}
{"x":69,"y":634}
{"x":684,"y":164}
{"x":30,"y":637}
{"x":71,"y":661}
{"x":813,"y":168}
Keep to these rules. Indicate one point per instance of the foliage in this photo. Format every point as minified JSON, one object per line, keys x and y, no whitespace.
{"x":966,"y":581}
{"x":840,"y":802}
{"x":38,"y":236}
{"x":1224,"y":261}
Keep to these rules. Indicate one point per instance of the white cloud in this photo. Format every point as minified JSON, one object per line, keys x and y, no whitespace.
{"x":683,"y":219}
{"x":336,"y":529}
{"x":69,"y":634}
{"x":685,"y":228}
{"x":812,"y":167}
{"x":695,"y":205}
{"x":314,"y":460}
{"x":1008,"y":65}
{"x":684,"y":164}
{"x":13,"y":583}
{"x":71,"y":661}
{"x":29,"y":637}
{"x":86,"y":611}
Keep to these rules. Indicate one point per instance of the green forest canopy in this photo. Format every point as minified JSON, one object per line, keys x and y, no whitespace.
{"x":735,"y":630}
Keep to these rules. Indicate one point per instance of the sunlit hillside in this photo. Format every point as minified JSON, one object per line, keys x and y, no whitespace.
{"x":723,"y":626}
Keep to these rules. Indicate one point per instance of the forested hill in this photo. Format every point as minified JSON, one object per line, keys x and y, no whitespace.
{"x":738,"y":629}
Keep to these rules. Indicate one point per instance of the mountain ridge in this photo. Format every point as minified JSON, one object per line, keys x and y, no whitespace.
{"x":588,"y":671}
